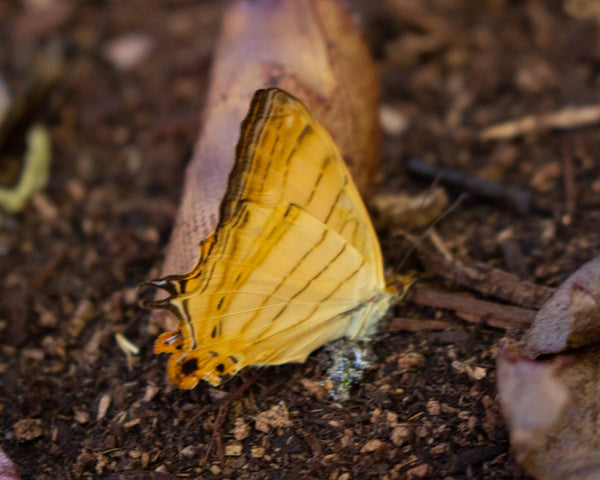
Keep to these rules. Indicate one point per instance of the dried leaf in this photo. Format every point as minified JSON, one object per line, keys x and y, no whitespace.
{"x":410,"y":212}
{"x":551,"y":412}
{"x":551,"y":405}
{"x":311,"y":49}
{"x":571,"y":318}
{"x":531,"y":397}
{"x":8,"y":470}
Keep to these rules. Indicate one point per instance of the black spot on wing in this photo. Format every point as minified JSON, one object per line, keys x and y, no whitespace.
{"x":189,"y":366}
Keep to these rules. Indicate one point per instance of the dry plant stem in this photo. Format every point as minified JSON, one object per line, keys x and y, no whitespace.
{"x":479,"y":277}
{"x":570,"y":186}
{"x":49,"y":268}
{"x":221,"y":417}
{"x":496,"y":314}
{"x":513,"y":257}
{"x":566,"y":118}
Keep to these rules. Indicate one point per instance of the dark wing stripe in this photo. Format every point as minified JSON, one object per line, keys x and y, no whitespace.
{"x":337,"y":199}
{"x":319,"y":178}
{"x":284,"y":279}
{"x":251,"y":129}
{"x":271,"y":156}
{"x":303,"y":134}
{"x":317,"y":275}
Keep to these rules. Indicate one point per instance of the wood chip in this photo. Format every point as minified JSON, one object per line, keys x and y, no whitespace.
{"x":564,"y":119}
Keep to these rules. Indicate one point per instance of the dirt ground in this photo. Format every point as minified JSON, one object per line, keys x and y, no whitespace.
{"x":71,"y":403}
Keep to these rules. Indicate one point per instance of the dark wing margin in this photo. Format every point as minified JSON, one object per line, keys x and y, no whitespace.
{"x":251,"y":129}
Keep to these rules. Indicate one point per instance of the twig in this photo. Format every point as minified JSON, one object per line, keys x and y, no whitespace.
{"x":49,"y":268}
{"x":517,"y":198}
{"x":570,"y":186}
{"x":415,"y":325}
{"x":566,"y":118}
{"x":513,"y":256}
{"x":473,"y":310}
{"x":222,"y":415}
{"x":479,"y":277}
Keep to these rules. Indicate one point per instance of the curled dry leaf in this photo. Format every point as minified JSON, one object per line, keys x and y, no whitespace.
{"x":571,"y":318}
{"x":551,"y":405}
{"x":8,"y":470}
{"x":542,"y":398}
{"x":551,"y":412}
{"x":411,"y":212}
{"x":316,"y":56}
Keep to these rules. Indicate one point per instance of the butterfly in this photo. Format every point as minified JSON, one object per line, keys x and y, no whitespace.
{"x":293,"y":263}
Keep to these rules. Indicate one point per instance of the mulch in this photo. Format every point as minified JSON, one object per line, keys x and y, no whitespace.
{"x":74,"y":405}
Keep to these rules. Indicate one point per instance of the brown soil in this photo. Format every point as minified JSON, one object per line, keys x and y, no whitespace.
{"x":69,"y":263}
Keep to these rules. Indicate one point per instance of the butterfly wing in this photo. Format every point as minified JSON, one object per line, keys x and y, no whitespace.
{"x":284,"y":156}
{"x":294,"y":261}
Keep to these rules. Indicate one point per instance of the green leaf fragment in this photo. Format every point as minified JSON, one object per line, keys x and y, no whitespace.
{"x":35,"y":174}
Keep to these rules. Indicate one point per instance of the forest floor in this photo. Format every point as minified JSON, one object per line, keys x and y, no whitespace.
{"x":72,"y":405}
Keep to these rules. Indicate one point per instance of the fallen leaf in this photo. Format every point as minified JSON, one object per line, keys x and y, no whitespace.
{"x":533,"y":400}
{"x":550,"y":405}
{"x":8,"y":470}
{"x":571,"y":318}
{"x":314,"y":59}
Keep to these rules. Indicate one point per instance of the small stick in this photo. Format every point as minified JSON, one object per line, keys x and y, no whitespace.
{"x":566,"y":118}
{"x":478,"y":276}
{"x":49,"y":268}
{"x":415,"y":325}
{"x":222,"y":415}
{"x":507,"y":316}
{"x":570,"y":186}
{"x":517,"y":198}
{"x":513,"y":256}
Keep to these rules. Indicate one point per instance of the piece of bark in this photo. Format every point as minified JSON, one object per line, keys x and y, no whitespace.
{"x":415,"y":324}
{"x":571,"y":318}
{"x":478,"y":276}
{"x":471,"y":309}
{"x":310,"y":48}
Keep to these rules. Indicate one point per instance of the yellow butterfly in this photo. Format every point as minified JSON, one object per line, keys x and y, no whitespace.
{"x":293,"y":263}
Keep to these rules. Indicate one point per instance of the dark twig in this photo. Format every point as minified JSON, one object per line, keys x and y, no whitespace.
{"x":49,"y":268}
{"x":222,"y":415}
{"x":415,"y":325}
{"x":517,"y":198}
{"x":570,"y":186}
{"x":513,"y":256}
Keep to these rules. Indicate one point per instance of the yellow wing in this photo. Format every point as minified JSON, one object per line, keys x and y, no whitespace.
{"x":293,"y":263}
